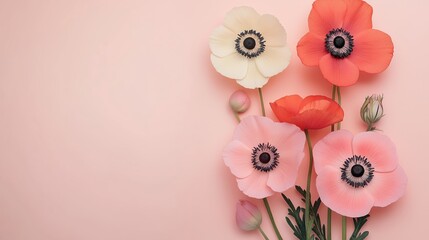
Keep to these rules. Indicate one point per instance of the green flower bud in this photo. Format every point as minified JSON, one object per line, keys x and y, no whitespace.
{"x":372,"y":110}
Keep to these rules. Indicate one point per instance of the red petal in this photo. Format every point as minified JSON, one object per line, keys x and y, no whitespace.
{"x":373,"y":51}
{"x":311,"y":48}
{"x":318,"y":112}
{"x":358,"y":16}
{"x":286,"y":107}
{"x":326,"y":15}
{"x":340,"y":72}
{"x":314,"y":112}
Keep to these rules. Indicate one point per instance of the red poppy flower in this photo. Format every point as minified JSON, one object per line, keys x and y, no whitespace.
{"x":341,"y":41}
{"x":312,"y":112}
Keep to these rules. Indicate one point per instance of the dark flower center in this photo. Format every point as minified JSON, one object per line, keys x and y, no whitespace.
{"x":357,"y":171}
{"x":339,"y":43}
{"x":250,"y":43}
{"x":265,"y":157}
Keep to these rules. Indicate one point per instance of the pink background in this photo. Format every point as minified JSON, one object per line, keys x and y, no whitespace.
{"x":112,"y":119}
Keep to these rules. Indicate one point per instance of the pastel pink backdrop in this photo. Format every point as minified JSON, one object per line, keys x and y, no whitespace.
{"x":112,"y":119}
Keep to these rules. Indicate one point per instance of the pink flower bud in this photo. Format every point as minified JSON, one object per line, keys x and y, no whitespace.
{"x":239,"y":101}
{"x":248,"y":216}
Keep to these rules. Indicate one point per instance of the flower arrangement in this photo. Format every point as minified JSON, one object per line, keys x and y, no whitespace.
{"x":354,"y":172}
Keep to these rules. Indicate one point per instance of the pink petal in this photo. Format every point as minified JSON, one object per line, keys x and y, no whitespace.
{"x":340,"y":72}
{"x":387,"y":188}
{"x":288,"y":138}
{"x":333,"y":150}
{"x":251,"y":131}
{"x":290,"y":143}
{"x":378,"y":149}
{"x":341,"y":197}
{"x":358,"y":16}
{"x":284,"y":175}
{"x":373,"y":51}
{"x":325,"y":16}
{"x":311,"y":48}
{"x":237,"y":157}
{"x":255,"y":185}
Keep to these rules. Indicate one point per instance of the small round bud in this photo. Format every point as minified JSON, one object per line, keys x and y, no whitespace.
{"x":239,"y":101}
{"x":372,"y":110}
{"x":248,"y":216}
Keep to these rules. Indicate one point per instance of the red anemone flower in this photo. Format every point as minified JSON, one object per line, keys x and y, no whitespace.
{"x":312,"y":112}
{"x":341,"y":41}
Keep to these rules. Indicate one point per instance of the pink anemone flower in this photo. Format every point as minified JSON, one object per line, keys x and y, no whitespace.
{"x":265,"y":156}
{"x":355,"y":173}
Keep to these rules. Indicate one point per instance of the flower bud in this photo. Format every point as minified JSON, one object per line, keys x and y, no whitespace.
{"x":372,"y":109}
{"x":248,"y":216}
{"x":239,"y":101}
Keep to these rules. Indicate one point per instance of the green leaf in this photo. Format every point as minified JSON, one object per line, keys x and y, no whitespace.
{"x":297,"y":214}
{"x":358,"y":224}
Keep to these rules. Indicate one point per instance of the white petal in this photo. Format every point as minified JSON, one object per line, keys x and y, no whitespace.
{"x":272,"y":31}
{"x":273,"y":60}
{"x":222,"y":41}
{"x":240,"y":19}
{"x":232,"y":66}
{"x":254,"y":79}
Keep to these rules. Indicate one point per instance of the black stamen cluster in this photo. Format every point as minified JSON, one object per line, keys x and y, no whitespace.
{"x":357,"y":182}
{"x":346,"y":48}
{"x":265,"y":148}
{"x":246,"y":52}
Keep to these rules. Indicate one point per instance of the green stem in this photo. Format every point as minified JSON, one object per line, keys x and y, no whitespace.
{"x":329,"y":223}
{"x":339,"y":103}
{"x":237,"y":116}
{"x":334,"y":92}
{"x":263,"y":233}
{"x":329,"y":220}
{"x":369,"y":127}
{"x":270,"y":214}
{"x":307,"y":196}
{"x":262,"y":101}
{"x":344,"y":227}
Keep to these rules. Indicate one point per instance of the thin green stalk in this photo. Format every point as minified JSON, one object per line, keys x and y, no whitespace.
{"x":262,"y":101}
{"x":307,"y":196}
{"x":339,"y":103}
{"x":270,"y":214}
{"x":339,"y":95}
{"x":263,"y":233}
{"x":237,"y":116}
{"x":329,"y":220}
{"x":344,"y":218}
{"x":334,"y":92}
{"x":329,"y":224}
{"x":344,"y":227}
{"x":369,"y":127}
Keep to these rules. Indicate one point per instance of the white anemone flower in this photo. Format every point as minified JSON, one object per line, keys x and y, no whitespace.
{"x":249,"y":47}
